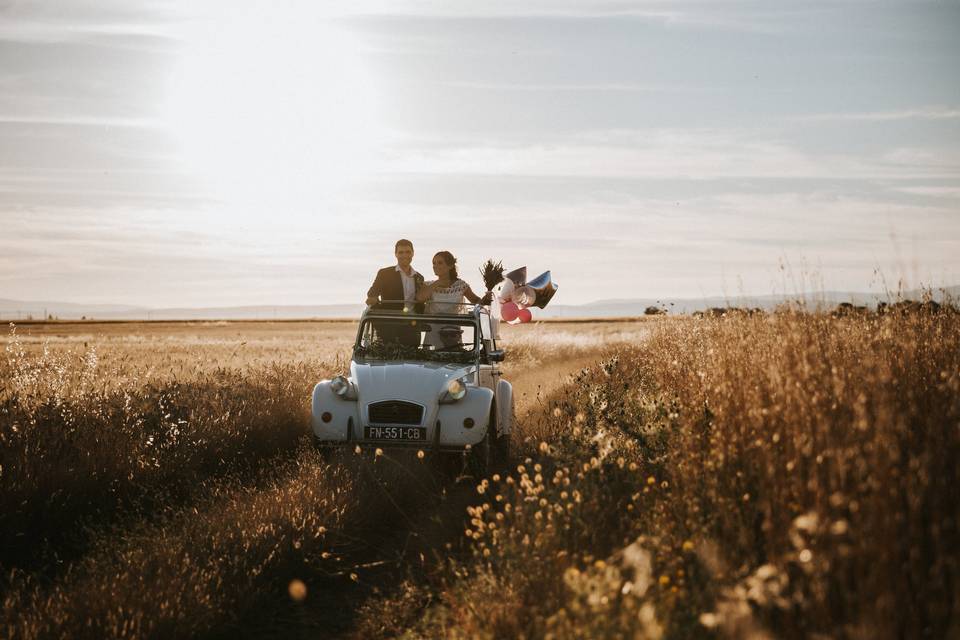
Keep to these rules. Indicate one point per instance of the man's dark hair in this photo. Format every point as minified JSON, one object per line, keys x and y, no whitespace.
{"x":402,"y":242}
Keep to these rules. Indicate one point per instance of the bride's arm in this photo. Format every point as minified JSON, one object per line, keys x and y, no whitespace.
{"x":472,"y":297}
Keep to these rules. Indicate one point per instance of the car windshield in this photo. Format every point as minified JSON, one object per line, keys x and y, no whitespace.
{"x":437,"y":339}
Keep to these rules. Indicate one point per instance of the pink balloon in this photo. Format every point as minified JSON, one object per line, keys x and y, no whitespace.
{"x":524,"y":315}
{"x":509,"y":311}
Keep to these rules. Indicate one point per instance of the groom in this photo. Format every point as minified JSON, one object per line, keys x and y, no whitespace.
{"x":397,"y":284}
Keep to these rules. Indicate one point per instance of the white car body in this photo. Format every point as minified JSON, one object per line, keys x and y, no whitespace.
{"x":403,"y":401}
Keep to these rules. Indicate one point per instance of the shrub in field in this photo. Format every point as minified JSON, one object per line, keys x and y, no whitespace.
{"x":786,"y":475}
{"x":78,"y":443}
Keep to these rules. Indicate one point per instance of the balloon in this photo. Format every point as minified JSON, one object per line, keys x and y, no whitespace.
{"x":524,"y":296}
{"x":544,"y":287}
{"x":517,"y":276}
{"x":509,"y":311}
{"x":524,"y":315}
{"x":506,"y":290}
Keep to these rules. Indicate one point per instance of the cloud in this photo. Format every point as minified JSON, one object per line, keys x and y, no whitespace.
{"x":918,"y":113}
{"x":668,"y":153}
{"x":83,"y":121}
{"x":931,"y":191}
{"x":609,"y":87}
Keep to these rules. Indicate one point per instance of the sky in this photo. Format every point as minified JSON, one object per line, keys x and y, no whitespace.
{"x":201,"y":153}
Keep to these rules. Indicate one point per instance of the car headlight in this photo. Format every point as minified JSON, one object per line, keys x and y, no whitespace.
{"x":454,"y":391}
{"x":343,"y":388}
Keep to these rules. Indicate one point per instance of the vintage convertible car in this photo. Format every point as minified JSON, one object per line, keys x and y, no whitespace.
{"x":425,"y":381}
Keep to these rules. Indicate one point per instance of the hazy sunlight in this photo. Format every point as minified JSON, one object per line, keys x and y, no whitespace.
{"x":273,"y":108}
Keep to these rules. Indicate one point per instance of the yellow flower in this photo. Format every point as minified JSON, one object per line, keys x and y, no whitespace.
{"x":297,"y":590}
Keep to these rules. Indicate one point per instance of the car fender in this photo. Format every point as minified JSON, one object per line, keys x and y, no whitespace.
{"x":344,"y":423}
{"x":505,"y":406}
{"x":476,"y":405}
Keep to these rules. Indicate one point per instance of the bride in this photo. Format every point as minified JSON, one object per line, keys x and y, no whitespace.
{"x":446,"y":295}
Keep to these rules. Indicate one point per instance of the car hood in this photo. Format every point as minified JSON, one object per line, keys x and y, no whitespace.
{"x":413,"y":381}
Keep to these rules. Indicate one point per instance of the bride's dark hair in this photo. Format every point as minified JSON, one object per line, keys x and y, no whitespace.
{"x":451,"y":262}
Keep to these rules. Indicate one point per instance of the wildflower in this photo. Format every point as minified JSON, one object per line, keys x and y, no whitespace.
{"x":297,"y":590}
{"x":709,"y":620}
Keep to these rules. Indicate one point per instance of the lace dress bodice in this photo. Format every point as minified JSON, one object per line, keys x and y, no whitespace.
{"x":446,"y":300}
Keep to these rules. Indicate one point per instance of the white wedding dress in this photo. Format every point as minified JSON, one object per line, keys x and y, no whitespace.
{"x":445,"y":300}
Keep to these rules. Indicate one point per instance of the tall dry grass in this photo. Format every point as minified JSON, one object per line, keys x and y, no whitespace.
{"x":81,"y":443}
{"x":290,"y":551}
{"x":784,"y":476}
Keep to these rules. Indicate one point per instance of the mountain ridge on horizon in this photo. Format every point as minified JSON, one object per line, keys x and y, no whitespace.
{"x":625,"y":307}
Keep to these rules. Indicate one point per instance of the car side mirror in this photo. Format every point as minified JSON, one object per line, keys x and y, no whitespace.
{"x":497,"y":355}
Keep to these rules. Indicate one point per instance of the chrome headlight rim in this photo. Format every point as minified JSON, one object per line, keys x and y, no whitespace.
{"x":455,"y":391}
{"x":342,"y":388}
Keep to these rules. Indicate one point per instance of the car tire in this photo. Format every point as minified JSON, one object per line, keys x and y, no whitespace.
{"x":500,"y":445}
{"x":481,"y":456}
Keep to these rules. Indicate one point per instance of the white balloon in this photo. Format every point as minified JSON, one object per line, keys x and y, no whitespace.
{"x":524,"y":296}
{"x":506,"y":290}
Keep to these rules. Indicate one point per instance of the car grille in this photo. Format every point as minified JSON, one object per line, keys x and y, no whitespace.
{"x":395,"y":412}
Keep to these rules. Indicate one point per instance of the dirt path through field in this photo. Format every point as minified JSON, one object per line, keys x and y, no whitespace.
{"x":404,"y":542}
{"x":532,"y":384}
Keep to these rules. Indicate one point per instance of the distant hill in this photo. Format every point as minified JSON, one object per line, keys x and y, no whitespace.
{"x":628,"y":307}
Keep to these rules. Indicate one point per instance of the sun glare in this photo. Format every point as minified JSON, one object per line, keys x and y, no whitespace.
{"x":273,"y":108}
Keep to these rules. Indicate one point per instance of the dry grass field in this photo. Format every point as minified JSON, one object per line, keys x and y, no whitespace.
{"x":785,"y":475}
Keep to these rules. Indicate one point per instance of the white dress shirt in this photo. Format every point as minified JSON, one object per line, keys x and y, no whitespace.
{"x":409,"y":286}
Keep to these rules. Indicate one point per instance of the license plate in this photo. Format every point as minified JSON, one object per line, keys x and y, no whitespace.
{"x":406,"y":434}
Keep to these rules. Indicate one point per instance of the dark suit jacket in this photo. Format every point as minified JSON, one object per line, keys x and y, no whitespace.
{"x":388,"y":286}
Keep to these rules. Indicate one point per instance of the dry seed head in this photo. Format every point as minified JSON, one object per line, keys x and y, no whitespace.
{"x":297,"y":590}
